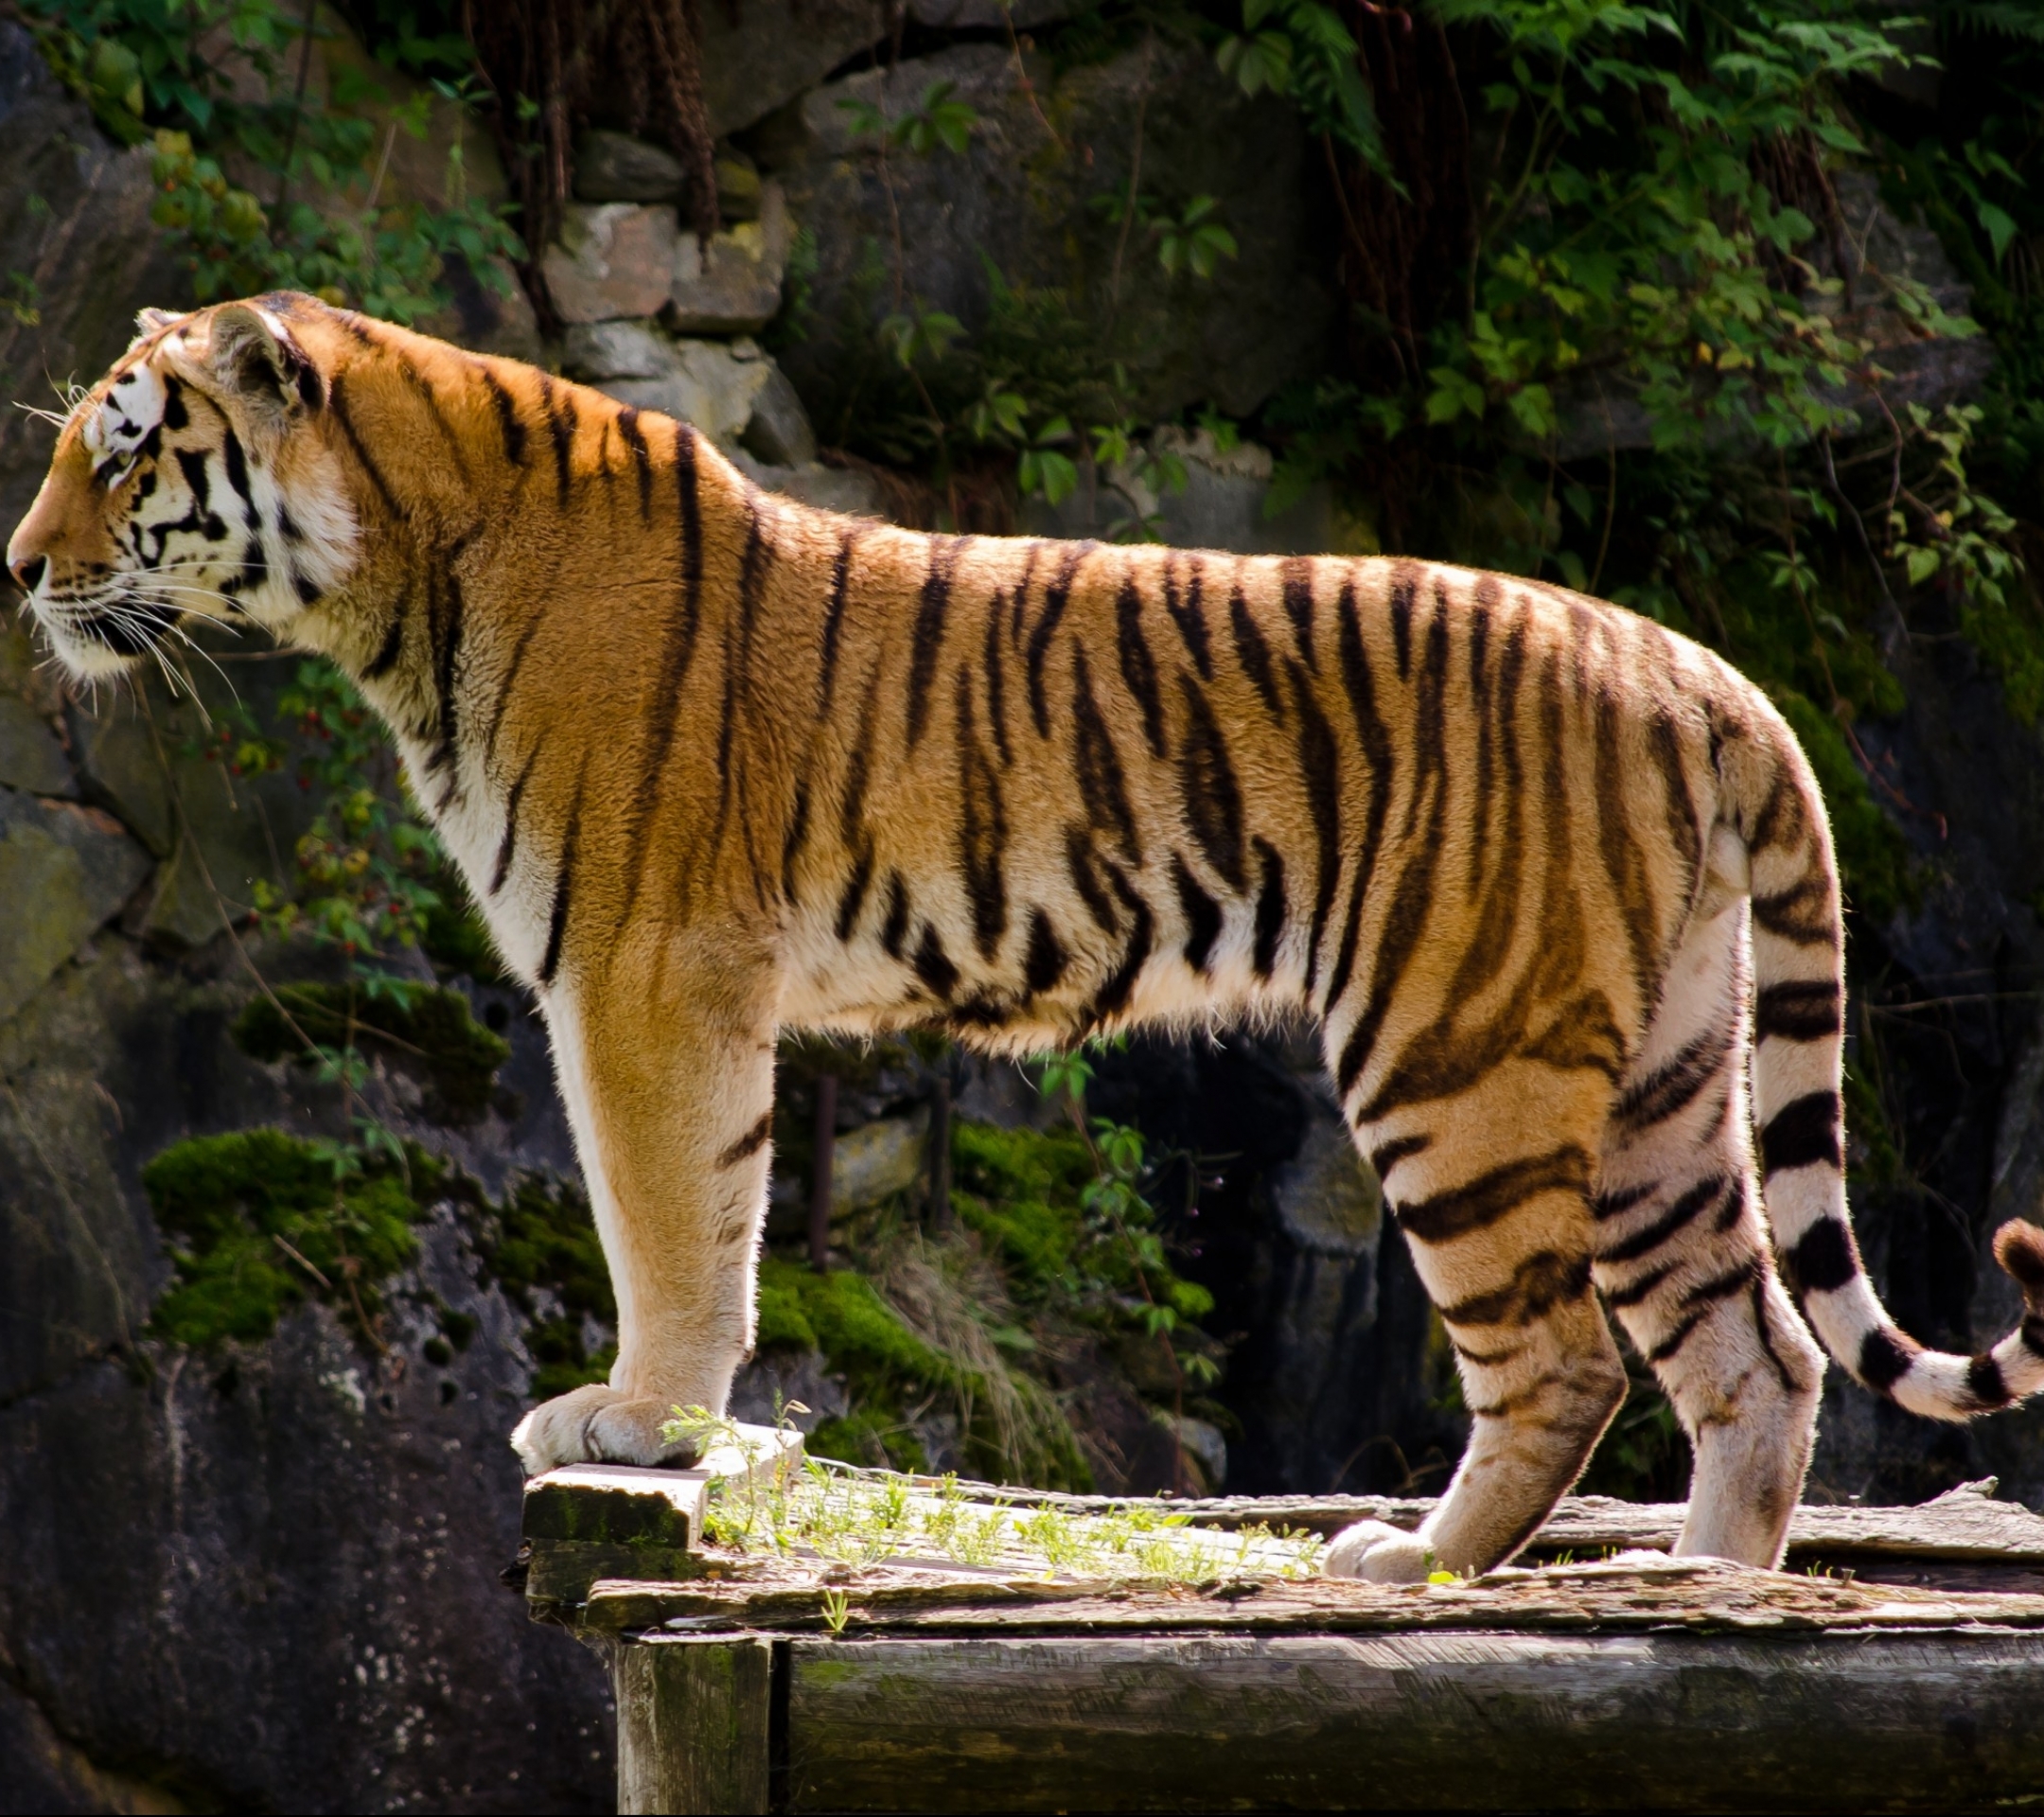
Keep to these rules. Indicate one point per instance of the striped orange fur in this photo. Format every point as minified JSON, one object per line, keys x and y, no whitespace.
{"x":1556,"y":882}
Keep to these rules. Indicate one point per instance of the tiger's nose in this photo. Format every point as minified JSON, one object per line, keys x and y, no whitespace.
{"x":29,"y":572}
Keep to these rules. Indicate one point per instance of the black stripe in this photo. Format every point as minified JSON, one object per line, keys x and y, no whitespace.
{"x":237,"y":476}
{"x":1045,"y":959}
{"x":1680,"y":1214}
{"x":1802,"y":1134}
{"x":447,"y":653}
{"x":1213,"y":803}
{"x":894,"y":928}
{"x":1413,"y":897}
{"x":1253,"y":653}
{"x":561,"y":428}
{"x":1622,"y":1199}
{"x":1801,"y":915}
{"x":834,"y":619}
{"x":983,"y":828}
{"x":677,"y":651}
{"x":1495,"y":1195}
{"x":1056,"y":595}
{"x":1202,"y":916}
{"x":1618,"y":1299}
{"x":385,"y":660}
{"x":1113,"y":994}
{"x":1318,"y":764}
{"x":1079,"y":860}
{"x":939,"y":975}
{"x":1298,"y":605}
{"x":504,"y":688}
{"x":929,"y":631}
{"x":1359,"y":684}
{"x":1386,"y":1156}
{"x":1673,"y":1086}
{"x":508,"y":846}
{"x":507,"y":419}
{"x":1404,"y":590}
{"x":175,"y":417}
{"x":1138,"y":667}
{"x":749,"y":1143}
{"x":853,"y":898}
{"x":1822,"y":1260}
{"x":1986,"y":1384}
{"x":997,"y":682}
{"x":628,"y":423}
{"x":338,"y":399}
{"x":1101,"y":785}
{"x":563,"y":891}
{"x":1270,"y":910}
{"x":1700,"y":1302}
{"x":1190,"y":618}
{"x":1802,"y":1011}
{"x":1883,"y":1360}
{"x":1539,"y":1284}
{"x":791,"y":847}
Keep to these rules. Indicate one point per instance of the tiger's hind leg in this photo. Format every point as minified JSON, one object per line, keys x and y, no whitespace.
{"x":1682,"y":1248}
{"x":1501,"y":1236}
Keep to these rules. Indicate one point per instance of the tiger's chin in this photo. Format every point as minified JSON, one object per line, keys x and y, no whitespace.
{"x":598,"y":1425}
{"x":93,"y":646}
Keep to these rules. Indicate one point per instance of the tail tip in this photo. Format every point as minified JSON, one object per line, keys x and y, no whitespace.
{"x":2018,"y":1246}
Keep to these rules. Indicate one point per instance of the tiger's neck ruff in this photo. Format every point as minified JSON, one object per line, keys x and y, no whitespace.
{"x":1556,"y":882}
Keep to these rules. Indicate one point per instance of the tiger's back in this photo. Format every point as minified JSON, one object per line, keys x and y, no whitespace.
{"x":714,"y":764}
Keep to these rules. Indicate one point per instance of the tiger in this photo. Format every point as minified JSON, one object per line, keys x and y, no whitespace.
{"x":1557,"y":883}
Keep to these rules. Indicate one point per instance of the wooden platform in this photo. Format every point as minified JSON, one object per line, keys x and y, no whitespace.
{"x":1897,"y":1663}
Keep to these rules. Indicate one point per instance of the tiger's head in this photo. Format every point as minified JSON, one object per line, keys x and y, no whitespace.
{"x":193,"y":482}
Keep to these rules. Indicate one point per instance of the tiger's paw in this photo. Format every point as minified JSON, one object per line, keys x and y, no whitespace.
{"x":597,"y":1425}
{"x":1376,"y":1553}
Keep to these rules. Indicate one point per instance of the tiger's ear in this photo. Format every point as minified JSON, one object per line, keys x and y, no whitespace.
{"x":254,"y":359}
{"x":150,"y":322}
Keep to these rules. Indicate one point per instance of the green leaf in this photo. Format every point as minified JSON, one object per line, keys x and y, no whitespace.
{"x":1999,"y":227}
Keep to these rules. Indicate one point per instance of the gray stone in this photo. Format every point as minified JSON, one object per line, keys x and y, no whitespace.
{"x":1023,"y":201}
{"x":1327,"y":1200}
{"x":733,"y":285}
{"x":30,"y":757}
{"x":872,"y":1162}
{"x":760,"y":56}
{"x":845,"y":489}
{"x":65,"y":871}
{"x":614,"y":166}
{"x":1221,"y":506}
{"x":1201,"y":1440}
{"x":711,"y":384}
{"x":778,"y":431}
{"x":488,"y":311}
{"x":612,"y":260}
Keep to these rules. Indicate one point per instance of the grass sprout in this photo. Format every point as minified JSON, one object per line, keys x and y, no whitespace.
{"x":860,"y":1518}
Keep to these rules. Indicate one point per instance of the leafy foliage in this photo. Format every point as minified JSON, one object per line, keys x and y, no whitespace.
{"x":181,"y":72}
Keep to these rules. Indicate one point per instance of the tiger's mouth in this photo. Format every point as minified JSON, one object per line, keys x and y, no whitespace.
{"x":107,"y":631}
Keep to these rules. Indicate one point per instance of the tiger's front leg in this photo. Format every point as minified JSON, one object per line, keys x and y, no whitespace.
{"x":667,"y":1073}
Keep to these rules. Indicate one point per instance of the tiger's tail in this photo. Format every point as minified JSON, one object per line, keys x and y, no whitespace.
{"x":1798,"y":1062}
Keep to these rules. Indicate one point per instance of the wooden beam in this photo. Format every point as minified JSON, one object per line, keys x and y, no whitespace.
{"x":692,"y":1724}
{"x":1896,"y":1722}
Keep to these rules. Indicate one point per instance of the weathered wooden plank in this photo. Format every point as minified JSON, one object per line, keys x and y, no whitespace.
{"x":1626,"y":1595}
{"x":694,"y":1720}
{"x":1964,"y":1523}
{"x":1417,"y":1721}
{"x":583,"y":1522}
